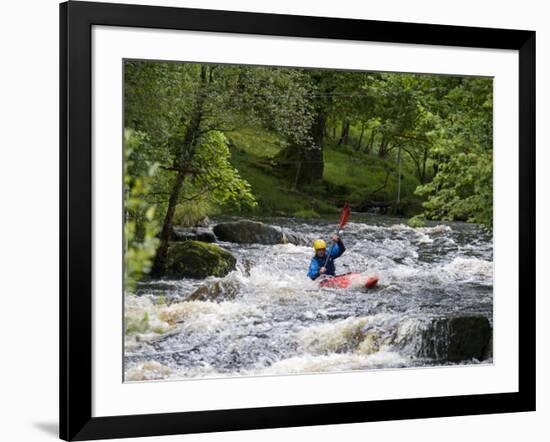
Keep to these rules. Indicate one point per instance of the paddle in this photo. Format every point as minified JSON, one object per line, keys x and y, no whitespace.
{"x":344,"y":216}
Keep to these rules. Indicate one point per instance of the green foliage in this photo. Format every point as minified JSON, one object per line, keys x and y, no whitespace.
{"x":216,"y":176}
{"x":272,"y":193}
{"x":157,"y":97}
{"x":348,"y":175}
{"x":140,"y":228}
{"x":276,"y":99}
{"x":185,"y":109}
{"x":191,"y":213}
{"x":160,"y":98}
{"x":416,"y":221}
{"x":362,"y":174}
{"x":180,"y":112}
{"x":307,"y":213}
{"x":256,"y":141}
{"x":462,"y":188}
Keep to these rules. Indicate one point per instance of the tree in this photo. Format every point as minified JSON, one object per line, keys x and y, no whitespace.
{"x":462,"y":188}
{"x":188,"y":106}
{"x":332,"y":95}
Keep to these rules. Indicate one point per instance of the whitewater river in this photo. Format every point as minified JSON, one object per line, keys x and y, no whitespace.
{"x":267,"y":317}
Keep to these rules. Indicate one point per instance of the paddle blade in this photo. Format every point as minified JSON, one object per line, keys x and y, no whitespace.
{"x":344,"y":216}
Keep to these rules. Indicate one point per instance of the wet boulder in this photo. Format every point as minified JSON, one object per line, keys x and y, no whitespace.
{"x":456,"y":339}
{"x":249,"y":232}
{"x":193,"y":234}
{"x":254,"y":232}
{"x":217,"y":290}
{"x":296,"y":239}
{"x":195,"y":259}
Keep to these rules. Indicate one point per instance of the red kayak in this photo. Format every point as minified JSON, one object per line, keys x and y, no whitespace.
{"x":349,"y":279}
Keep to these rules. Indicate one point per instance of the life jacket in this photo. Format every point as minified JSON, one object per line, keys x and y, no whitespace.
{"x":317,"y":262}
{"x":320,"y":262}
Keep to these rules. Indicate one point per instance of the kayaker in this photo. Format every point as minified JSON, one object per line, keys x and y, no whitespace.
{"x":317,"y":266}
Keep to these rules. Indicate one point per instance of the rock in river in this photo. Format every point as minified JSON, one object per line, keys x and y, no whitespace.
{"x":250,"y":232}
{"x":195,"y":259}
{"x":196,"y":234}
{"x":457,"y":338}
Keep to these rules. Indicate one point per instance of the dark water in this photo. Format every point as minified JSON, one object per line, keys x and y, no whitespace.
{"x":267,"y":317}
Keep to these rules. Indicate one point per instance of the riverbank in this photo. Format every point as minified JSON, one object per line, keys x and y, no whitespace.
{"x":364,"y":180}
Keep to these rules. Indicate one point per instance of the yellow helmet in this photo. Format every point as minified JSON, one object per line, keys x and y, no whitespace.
{"x":319,"y":244}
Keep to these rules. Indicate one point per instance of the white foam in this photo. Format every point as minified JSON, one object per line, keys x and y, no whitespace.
{"x":440,"y":228}
{"x":349,"y":335}
{"x":148,"y":371}
{"x":151,"y":320}
{"x":469,"y":266}
{"x":335,"y":362}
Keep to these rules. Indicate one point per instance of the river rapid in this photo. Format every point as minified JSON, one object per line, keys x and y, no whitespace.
{"x":268,"y":318}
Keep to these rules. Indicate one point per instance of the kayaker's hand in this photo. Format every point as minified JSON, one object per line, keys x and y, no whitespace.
{"x":322,"y":270}
{"x":335,"y":238}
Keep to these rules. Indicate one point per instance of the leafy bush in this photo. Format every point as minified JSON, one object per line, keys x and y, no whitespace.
{"x":140,"y":227}
{"x":462,"y":190}
{"x":417,"y":221}
{"x":189,"y":214}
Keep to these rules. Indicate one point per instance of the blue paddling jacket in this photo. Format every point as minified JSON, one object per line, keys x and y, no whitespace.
{"x":317,"y":262}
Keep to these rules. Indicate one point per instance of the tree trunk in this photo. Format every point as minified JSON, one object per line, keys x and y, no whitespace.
{"x":303,"y":163}
{"x":297,"y":177}
{"x":346,"y":133}
{"x":312,"y":165}
{"x":416,"y":163}
{"x":424,"y":161}
{"x":371,"y":141}
{"x":344,"y":136}
{"x":383,"y":149}
{"x":166,"y":232}
{"x":185,"y":154}
{"x":358,"y":146}
{"x":383,"y":186}
{"x":399,"y":175}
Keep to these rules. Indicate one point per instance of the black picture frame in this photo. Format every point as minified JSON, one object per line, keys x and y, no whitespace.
{"x":76,"y":21}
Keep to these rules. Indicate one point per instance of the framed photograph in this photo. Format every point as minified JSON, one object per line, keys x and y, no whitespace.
{"x":273,"y":220}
